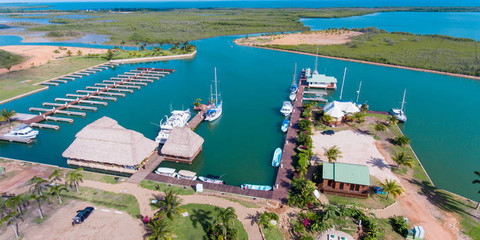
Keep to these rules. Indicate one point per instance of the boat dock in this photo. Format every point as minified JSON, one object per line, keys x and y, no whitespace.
{"x":77,"y":75}
{"x":127,"y":83}
{"x":285,"y":171}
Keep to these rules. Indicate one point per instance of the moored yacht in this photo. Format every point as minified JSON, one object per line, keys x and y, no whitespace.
{"x":287,"y":108}
{"x":179,"y":118}
{"x":399,"y":114}
{"x":215,"y":108}
{"x":22,"y":131}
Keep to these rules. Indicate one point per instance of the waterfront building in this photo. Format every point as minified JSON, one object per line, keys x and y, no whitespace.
{"x":105,"y":145}
{"x":182,"y":145}
{"x":317,"y":80}
{"x":340,"y":110}
{"x":345,"y":179}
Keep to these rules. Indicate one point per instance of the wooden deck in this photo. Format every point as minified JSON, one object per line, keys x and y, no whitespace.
{"x":193,"y":124}
{"x":210,"y":186}
{"x":153,"y":161}
{"x":285,"y":171}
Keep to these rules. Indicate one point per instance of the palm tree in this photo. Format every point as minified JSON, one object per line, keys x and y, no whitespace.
{"x":359,"y":117}
{"x":332,"y":153}
{"x":7,"y":115}
{"x":12,"y":219}
{"x":380,"y":127}
{"x":169,"y":204}
{"x":39,"y":199}
{"x":264,"y":219}
{"x":402,"y":140}
{"x":74,"y":177}
{"x":402,"y":159}
{"x":123,"y":44}
{"x":38,"y":184}
{"x":56,"y":175}
{"x":477,"y":181}
{"x":392,"y":120}
{"x":158,"y":228}
{"x":225,"y":219}
{"x":69,"y":53}
{"x":15,"y":203}
{"x":56,"y":190}
{"x":391,"y":187}
{"x":302,"y":164}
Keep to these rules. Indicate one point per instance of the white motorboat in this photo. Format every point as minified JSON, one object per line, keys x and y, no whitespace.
{"x":169,"y":172}
{"x":22,"y":131}
{"x":215,"y":108}
{"x":211,"y":180}
{"x":293,"y":96}
{"x":179,"y":118}
{"x":189,"y":175}
{"x":399,"y":114}
{"x":287,"y":108}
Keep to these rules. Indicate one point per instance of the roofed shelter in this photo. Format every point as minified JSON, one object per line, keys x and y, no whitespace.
{"x":182,"y":145}
{"x":345,"y":179}
{"x":106,"y":145}
{"x":339,"y":110}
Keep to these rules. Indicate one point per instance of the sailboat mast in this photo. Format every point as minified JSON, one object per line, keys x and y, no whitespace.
{"x":294,"y":73}
{"x":211,"y":94}
{"x":358,"y":92}
{"x":403,"y":100}
{"x":216,"y":89}
{"x":341,"y":90}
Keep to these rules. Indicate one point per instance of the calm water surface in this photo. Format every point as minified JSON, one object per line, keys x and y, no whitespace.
{"x":457,"y":24}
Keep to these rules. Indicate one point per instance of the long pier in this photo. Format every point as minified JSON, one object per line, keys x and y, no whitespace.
{"x":126,"y":84}
{"x":77,"y":75}
{"x":285,"y":171}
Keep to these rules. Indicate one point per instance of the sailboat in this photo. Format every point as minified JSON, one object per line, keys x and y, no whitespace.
{"x":215,"y":108}
{"x":399,"y":114}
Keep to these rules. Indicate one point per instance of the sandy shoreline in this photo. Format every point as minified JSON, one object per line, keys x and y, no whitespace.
{"x":326,"y":37}
{"x":367,"y":62}
{"x":37,"y":55}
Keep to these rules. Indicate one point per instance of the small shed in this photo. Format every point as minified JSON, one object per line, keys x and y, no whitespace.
{"x":106,"y":145}
{"x":345,"y":179}
{"x":182,"y":145}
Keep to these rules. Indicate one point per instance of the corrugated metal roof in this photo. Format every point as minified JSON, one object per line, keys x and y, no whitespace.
{"x":347,"y":173}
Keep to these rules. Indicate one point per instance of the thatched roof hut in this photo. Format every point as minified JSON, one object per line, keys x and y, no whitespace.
{"x":104,"y":144}
{"x":182,"y":145}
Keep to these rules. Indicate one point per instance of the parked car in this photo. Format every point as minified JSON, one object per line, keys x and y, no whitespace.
{"x":83,"y":214}
{"x":328,"y":132}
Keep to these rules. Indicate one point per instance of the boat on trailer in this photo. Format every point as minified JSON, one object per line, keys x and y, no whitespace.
{"x":277,"y":156}
{"x":256,"y":187}
{"x":285,"y":124}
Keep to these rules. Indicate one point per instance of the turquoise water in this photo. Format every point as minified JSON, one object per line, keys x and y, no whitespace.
{"x":254,"y":83}
{"x":457,"y":24}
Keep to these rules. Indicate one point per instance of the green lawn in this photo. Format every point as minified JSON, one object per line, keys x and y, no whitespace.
{"x":100,"y":177}
{"x":273,"y":234}
{"x":439,"y":53}
{"x":374,"y":201}
{"x":8,"y":59}
{"x":178,"y":189}
{"x":119,"y":201}
{"x":194,"y":226}
{"x":18,"y":82}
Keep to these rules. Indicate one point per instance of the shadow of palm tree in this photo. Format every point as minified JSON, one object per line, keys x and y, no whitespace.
{"x":442,"y":199}
{"x":253,"y":218}
{"x":202,"y":218}
{"x":378,"y":162}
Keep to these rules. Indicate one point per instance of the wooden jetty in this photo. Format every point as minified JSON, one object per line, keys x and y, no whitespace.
{"x":47,"y":104}
{"x":58,"y":81}
{"x":85,"y":91}
{"x":58,"y":119}
{"x":93,"y":102}
{"x":75,"y":76}
{"x":80,"y":107}
{"x":70,"y":113}
{"x":195,"y":121}
{"x":67,"y":78}
{"x":16,"y":139}
{"x":128,"y":86}
{"x":157,"y":69}
{"x":64,"y":100}
{"x":103,"y":98}
{"x":88,"y":71}
{"x":95,"y":88}
{"x":285,"y":171}
{"x":50,"y":84}
{"x":120,"y":90}
{"x":34,"y":109}
{"x":112,"y":94}
{"x":82,"y":73}
{"x":47,"y":126}
{"x":75,"y":95}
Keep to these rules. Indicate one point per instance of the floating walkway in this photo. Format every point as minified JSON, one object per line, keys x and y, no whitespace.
{"x":109,"y":90}
{"x":78,"y":74}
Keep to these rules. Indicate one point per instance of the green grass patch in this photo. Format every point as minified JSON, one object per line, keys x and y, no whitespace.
{"x":374,"y":201}
{"x":39,"y":220}
{"x":389,"y":233}
{"x":119,"y":201}
{"x":8,"y":59}
{"x":272,"y":234}
{"x":17,"y":82}
{"x":163,"y":187}
{"x":433,"y":52}
{"x":99,"y":177}
{"x":243,"y":203}
{"x":196,"y":224}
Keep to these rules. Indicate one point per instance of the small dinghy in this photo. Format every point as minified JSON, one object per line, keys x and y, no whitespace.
{"x":256,"y":187}
{"x":277,"y":155}
{"x":211,"y":180}
{"x":285,"y":124}
{"x":169,"y":172}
